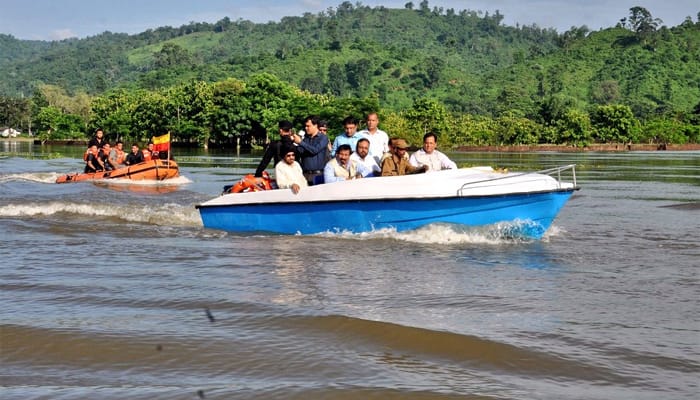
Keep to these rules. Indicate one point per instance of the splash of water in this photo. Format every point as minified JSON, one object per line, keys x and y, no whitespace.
{"x":449,"y":234}
{"x":163,"y":214}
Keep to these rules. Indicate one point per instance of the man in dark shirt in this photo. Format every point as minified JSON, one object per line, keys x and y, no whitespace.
{"x":98,"y":140}
{"x":312,"y":149}
{"x":91,"y":164}
{"x":275,"y":149}
{"x":135,"y":157}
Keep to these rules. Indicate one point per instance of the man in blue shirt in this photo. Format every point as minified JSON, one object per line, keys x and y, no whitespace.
{"x":350,"y":136}
{"x":312,"y":149}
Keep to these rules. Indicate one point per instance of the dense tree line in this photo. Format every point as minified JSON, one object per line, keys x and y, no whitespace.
{"x":459,"y":73}
{"x":232,"y":112}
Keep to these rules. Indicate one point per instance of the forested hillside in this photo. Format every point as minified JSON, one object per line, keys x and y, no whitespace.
{"x":537,"y":85}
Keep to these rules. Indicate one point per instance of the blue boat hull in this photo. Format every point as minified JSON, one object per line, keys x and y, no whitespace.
{"x":537,"y":209}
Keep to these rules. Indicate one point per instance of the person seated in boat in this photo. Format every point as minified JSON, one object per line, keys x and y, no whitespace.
{"x":103,"y":158}
{"x":135,"y":157}
{"x":91,"y":164}
{"x":397,"y":163}
{"x":428,"y":155}
{"x":117,"y":156}
{"x":341,"y":167}
{"x":275,"y":149}
{"x":288,"y":172}
{"x":98,"y":139}
{"x":391,"y":150}
{"x":149,"y":153}
{"x":361,"y":157}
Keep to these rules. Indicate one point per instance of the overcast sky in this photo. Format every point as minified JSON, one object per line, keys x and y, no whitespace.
{"x":60,"y":19}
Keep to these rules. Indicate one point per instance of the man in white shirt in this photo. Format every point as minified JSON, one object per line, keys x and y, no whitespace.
{"x":378,"y":139}
{"x":288,"y":172}
{"x":429,"y":156}
{"x":361,"y":156}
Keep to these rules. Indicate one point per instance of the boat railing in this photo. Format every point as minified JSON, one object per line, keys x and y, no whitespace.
{"x":555,"y":173}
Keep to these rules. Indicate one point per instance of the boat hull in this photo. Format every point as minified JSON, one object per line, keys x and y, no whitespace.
{"x":533,"y":212}
{"x":156,"y":170}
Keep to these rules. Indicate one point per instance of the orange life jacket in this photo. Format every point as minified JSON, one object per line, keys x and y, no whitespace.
{"x":250,"y":183}
{"x":87,"y":153}
{"x":121,"y":156}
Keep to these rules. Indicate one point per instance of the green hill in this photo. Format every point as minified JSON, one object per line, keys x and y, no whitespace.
{"x":466,"y":60}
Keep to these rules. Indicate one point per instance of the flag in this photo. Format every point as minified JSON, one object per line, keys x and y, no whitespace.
{"x":161,"y":143}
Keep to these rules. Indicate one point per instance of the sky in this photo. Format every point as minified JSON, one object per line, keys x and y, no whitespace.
{"x":61,"y":19}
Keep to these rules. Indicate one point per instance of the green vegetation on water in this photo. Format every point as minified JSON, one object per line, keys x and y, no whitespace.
{"x":458,"y":73}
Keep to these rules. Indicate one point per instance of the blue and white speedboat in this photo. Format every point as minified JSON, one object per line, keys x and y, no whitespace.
{"x":471,"y":197}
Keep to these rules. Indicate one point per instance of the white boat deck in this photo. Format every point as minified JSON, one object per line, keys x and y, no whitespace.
{"x":464,"y":182}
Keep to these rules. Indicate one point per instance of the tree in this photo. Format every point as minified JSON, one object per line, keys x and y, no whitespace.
{"x":336,"y":79}
{"x":427,"y":115}
{"x":172,"y":55}
{"x":574,"y":127}
{"x":615,"y":124}
{"x":642,"y":23}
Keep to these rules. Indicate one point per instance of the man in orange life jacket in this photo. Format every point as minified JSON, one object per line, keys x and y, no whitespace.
{"x":91,"y":164}
{"x":103,"y":157}
{"x":149,"y":153}
{"x":117,"y":155}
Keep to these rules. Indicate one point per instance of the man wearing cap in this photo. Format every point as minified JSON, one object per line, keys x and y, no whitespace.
{"x":275,"y":148}
{"x":431,"y":157}
{"x":397,"y":163}
{"x":288,"y":172}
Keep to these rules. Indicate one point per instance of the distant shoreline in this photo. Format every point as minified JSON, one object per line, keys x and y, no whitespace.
{"x":609,"y":147}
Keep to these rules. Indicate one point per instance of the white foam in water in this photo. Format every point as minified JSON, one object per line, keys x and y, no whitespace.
{"x":447,"y":234}
{"x":180,"y":180}
{"x":41,"y":177}
{"x":164,"y":214}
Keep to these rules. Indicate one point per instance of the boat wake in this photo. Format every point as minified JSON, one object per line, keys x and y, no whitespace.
{"x":162,"y":214}
{"x":40,"y":177}
{"x":50,"y":177}
{"x":448,"y":234}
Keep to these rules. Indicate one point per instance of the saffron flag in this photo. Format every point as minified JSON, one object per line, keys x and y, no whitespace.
{"x":161,"y":143}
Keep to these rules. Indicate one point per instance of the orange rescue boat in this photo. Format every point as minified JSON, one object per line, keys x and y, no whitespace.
{"x":156,"y":170}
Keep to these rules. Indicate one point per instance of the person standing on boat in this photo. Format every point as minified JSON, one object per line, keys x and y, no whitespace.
{"x":378,"y":139}
{"x":98,"y":140}
{"x":349,"y":136}
{"x":288,"y":173}
{"x":342,"y":168}
{"x":312,"y":149}
{"x":275,"y":149}
{"x":361,"y":156}
{"x":135,"y":157}
{"x":428,"y":155}
{"x":397,"y":163}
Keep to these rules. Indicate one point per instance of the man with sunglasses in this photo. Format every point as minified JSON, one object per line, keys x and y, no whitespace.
{"x":288,"y":172}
